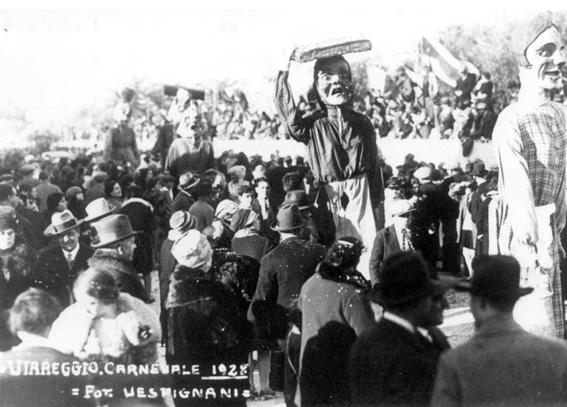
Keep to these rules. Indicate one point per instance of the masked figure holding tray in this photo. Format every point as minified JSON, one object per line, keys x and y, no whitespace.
{"x":341,"y":143}
{"x":530,"y":141}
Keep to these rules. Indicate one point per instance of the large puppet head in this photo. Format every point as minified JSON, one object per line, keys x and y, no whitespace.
{"x":540,"y":53}
{"x":333,"y":80}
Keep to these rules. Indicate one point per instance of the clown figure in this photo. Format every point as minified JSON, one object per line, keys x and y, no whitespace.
{"x":530,"y":142}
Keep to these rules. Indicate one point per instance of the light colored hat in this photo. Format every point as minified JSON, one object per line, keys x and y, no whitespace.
{"x":225,"y":209}
{"x":422,"y":173}
{"x":238,"y":171}
{"x":61,"y":222}
{"x":193,"y":250}
{"x":97,"y":209}
{"x":112,"y":229}
{"x":401,"y":207}
{"x":180,"y":222}
{"x":188,"y":181}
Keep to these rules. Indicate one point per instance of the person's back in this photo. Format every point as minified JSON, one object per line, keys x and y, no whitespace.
{"x":503,"y":365}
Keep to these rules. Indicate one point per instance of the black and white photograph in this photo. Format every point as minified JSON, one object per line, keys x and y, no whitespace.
{"x":294,"y":204}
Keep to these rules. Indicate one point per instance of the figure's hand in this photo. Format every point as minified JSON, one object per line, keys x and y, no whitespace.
{"x":526,"y":232}
{"x":286,"y":59}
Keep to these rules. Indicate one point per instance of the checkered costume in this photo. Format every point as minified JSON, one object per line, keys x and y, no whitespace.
{"x":530,"y":141}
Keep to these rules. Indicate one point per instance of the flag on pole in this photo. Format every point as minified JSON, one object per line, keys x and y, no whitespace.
{"x":443,"y":64}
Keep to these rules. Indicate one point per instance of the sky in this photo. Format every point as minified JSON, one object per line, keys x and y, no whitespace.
{"x":56,"y":58}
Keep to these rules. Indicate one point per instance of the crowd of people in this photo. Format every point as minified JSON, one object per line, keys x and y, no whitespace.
{"x":323,"y":278}
{"x":246,"y":259}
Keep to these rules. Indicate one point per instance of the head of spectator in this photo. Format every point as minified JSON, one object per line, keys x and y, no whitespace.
{"x":97,"y":209}
{"x":479,"y":170}
{"x":494,"y":287}
{"x":188,"y":181}
{"x":204,"y":191}
{"x":341,"y":258}
{"x":236,"y":173}
{"x":262,"y":189}
{"x":401,"y":210}
{"x":27,"y":172}
{"x":65,"y":228}
{"x":166,"y":182}
{"x":8,"y":228}
{"x":133,"y":191}
{"x":291,"y":223}
{"x":112,"y":189}
{"x":407,"y":289}
{"x":56,"y":202}
{"x":288,"y":161}
{"x":333,"y":80}
{"x":115,"y":233}
{"x":180,"y":222}
{"x":97,"y":291}
{"x":225,"y":210}
{"x":298,"y":198}
{"x":259,"y":171}
{"x":217,"y":179}
{"x":292,"y":181}
{"x":8,"y":196}
{"x":193,"y":251}
{"x":423,"y":174}
{"x":74,"y":193}
{"x":539,"y":70}
{"x":32,"y":314}
{"x":44,"y":177}
{"x":246,"y":196}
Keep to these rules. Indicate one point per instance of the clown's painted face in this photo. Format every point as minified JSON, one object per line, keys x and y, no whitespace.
{"x":334,"y":83}
{"x":546,"y":56}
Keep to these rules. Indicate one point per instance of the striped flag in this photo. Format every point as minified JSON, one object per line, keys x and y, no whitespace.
{"x":443,"y":64}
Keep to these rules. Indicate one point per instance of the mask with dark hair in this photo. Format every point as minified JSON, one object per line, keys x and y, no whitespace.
{"x":333,"y":80}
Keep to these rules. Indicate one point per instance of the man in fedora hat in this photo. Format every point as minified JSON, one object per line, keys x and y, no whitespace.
{"x":320,"y":232}
{"x":184,"y":198}
{"x":394,"y":238}
{"x":115,"y":242}
{"x":282,"y":274}
{"x":530,"y":138}
{"x":501,"y":364}
{"x":58,"y":265}
{"x":394,"y":362}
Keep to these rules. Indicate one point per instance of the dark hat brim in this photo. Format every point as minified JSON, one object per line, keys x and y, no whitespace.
{"x":279,"y":229}
{"x":102,"y":245}
{"x":467,"y":286}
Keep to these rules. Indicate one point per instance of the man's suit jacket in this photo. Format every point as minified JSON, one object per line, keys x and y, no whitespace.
{"x":391,"y":366}
{"x":385,"y":243}
{"x":284,"y":270}
{"x":182,"y":202}
{"x":53,"y":274}
{"x":503,"y":365}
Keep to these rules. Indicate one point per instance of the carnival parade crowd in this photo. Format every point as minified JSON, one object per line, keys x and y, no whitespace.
{"x":323,"y":277}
